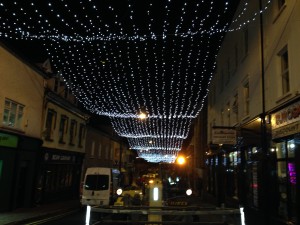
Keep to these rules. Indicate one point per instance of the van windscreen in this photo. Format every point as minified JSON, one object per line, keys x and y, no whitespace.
{"x":96,"y":182}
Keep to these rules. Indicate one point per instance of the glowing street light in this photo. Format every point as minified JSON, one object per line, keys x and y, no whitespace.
{"x":181,"y":160}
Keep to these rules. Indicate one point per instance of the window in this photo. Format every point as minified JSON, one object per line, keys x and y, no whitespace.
{"x":81,"y":135}
{"x":285,"y":80}
{"x":73,"y":133}
{"x":63,"y":128}
{"x":246,"y":98}
{"x":13,"y":114}
{"x":107,"y":152}
{"x":50,"y":124}
{"x":58,"y":83}
{"x":235,"y":106}
{"x":96,"y":182}
{"x":99,"y":151}
{"x":93,"y":149}
{"x":281,"y":3}
{"x":286,"y":171}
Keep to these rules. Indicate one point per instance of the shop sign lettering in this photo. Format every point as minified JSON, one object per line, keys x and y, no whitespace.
{"x":286,"y":116}
{"x":286,"y":130}
{"x":7,"y":140}
{"x":61,"y":158}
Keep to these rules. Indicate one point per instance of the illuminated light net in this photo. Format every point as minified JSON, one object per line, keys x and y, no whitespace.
{"x":121,"y":57}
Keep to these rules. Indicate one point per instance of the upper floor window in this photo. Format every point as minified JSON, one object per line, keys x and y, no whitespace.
{"x":100,"y":151}
{"x":13,"y":114}
{"x":50,"y":124}
{"x":235,"y":106}
{"x":281,"y":3}
{"x":285,"y":79}
{"x":73,"y":133}
{"x":81,"y":135}
{"x":63,"y":128}
{"x":93,"y":149}
{"x":246,"y":98}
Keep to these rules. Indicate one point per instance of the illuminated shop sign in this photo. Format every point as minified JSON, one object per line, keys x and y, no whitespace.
{"x":286,"y":121}
{"x":59,"y":158}
{"x":286,"y":116}
{"x":8,"y":140}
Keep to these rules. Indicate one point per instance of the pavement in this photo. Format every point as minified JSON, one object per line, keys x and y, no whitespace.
{"x":27,"y":215}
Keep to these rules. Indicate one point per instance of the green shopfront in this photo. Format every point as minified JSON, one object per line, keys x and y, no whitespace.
{"x":18,"y":161}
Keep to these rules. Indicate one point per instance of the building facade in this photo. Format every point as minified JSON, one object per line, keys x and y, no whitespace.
{"x":253,"y":116}
{"x":105,"y":149}
{"x":21,"y":104}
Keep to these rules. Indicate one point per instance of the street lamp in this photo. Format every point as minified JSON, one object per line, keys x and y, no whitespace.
{"x":181,"y":160}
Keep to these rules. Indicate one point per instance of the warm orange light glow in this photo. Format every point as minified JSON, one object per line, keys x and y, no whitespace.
{"x":142,"y":115}
{"x":181,"y":160}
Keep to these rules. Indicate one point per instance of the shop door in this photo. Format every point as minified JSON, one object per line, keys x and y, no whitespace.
{"x":22,"y":184}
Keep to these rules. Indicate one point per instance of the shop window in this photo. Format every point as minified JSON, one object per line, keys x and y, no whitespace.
{"x":73,"y":132}
{"x":63,"y":128}
{"x":286,"y":172}
{"x":13,"y":114}
{"x":50,"y":124}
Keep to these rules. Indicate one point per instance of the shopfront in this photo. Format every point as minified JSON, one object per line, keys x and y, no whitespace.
{"x":18,"y":162}
{"x":59,"y":177}
{"x":286,"y":146}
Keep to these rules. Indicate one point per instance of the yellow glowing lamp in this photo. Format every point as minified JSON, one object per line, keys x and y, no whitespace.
{"x":181,"y":160}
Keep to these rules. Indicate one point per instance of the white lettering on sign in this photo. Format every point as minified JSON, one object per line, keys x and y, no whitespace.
{"x":61,"y":157}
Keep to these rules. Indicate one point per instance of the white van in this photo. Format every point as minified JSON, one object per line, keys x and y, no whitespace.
{"x":100,"y":185}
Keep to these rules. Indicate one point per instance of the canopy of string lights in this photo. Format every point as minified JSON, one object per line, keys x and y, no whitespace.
{"x":124,"y":57}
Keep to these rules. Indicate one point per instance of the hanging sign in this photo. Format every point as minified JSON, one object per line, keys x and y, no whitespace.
{"x":224,"y":136}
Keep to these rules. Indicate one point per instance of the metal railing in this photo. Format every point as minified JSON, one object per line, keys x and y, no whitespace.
{"x":163,"y":215}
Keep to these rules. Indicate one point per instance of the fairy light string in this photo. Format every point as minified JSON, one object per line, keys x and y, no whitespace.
{"x":121,"y":57}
